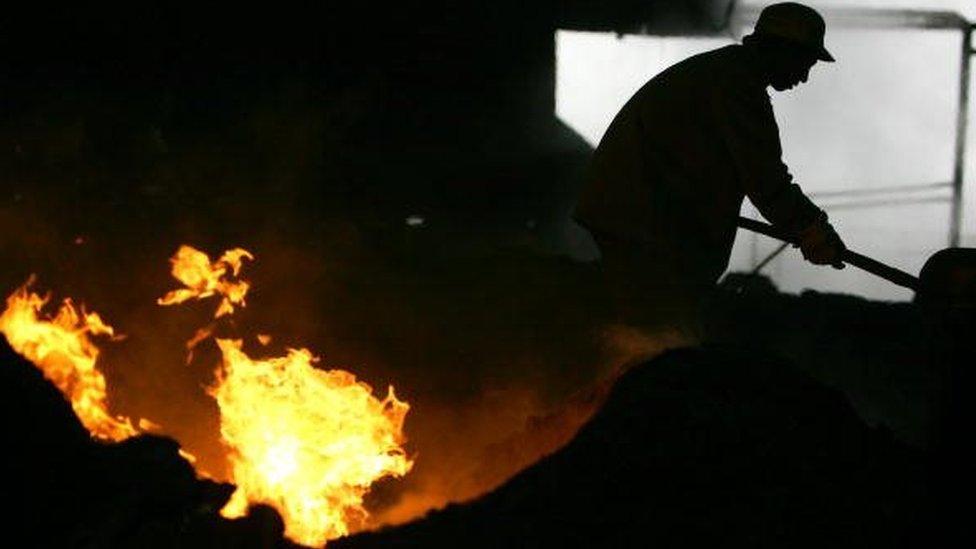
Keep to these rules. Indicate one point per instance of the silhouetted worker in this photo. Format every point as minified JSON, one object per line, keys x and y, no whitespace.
{"x":667,"y":181}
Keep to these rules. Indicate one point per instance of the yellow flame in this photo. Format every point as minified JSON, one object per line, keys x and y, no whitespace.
{"x":204,"y":279}
{"x":61,"y":347}
{"x":306,"y":441}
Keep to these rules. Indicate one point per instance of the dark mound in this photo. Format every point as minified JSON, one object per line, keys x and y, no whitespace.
{"x":62,"y":489}
{"x":699,"y":446}
{"x":885,"y":357}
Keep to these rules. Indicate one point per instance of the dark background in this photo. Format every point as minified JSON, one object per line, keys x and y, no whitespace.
{"x":308,"y":134}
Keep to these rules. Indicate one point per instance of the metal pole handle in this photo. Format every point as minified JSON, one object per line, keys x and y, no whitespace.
{"x":863,"y":262}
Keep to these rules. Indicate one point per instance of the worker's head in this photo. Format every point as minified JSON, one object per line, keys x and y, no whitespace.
{"x":790,"y":38}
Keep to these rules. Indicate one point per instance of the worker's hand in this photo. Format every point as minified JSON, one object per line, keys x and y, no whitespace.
{"x":821,"y":245}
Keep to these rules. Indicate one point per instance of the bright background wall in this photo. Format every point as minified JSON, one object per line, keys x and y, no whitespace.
{"x":882,"y":117}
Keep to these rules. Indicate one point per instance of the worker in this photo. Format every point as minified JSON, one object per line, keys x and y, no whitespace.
{"x":666,"y":183}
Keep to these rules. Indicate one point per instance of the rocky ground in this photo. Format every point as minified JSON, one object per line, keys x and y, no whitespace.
{"x":62,"y":489}
{"x":701,"y":446}
{"x":803,"y":421}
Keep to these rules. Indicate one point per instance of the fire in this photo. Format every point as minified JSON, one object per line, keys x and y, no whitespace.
{"x":61,"y":347}
{"x":307,"y":441}
{"x":204,"y":279}
{"x":199,"y":337}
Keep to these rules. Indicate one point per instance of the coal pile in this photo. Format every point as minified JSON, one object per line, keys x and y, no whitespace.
{"x":700,"y":446}
{"x":62,"y":489}
{"x":888,"y":358}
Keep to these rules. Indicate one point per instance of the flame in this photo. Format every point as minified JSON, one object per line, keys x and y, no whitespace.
{"x":199,"y":337}
{"x":204,"y":279}
{"x":307,"y":441}
{"x":61,"y":347}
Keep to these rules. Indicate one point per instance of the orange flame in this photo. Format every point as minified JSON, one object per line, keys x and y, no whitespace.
{"x":307,"y":441}
{"x":62,"y":349}
{"x":204,"y":279}
{"x":199,"y":337}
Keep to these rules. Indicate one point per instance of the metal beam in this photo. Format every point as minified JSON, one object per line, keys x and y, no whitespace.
{"x":924,"y":188}
{"x":868,"y":18}
{"x":962,"y":123}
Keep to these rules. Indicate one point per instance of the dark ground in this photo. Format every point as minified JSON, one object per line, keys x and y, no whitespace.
{"x":700,"y":447}
{"x":749,"y":441}
{"x":62,"y":489}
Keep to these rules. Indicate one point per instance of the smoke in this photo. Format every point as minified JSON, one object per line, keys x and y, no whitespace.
{"x":465,"y":450}
{"x":471,"y":448}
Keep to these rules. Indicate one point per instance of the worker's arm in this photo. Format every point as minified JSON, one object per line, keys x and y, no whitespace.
{"x":749,"y":130}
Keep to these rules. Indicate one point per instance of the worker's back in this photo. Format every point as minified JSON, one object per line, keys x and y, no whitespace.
{"x":663,"y":174}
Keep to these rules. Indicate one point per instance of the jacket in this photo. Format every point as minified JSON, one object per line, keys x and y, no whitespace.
{"x":671,"y":171}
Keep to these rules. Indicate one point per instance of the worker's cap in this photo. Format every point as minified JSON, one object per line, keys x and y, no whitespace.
{"x":795,"y":23}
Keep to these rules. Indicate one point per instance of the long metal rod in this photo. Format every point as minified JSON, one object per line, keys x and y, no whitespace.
{"x":864,"y":204}
{"x":772,"y":255}
{"x":962,"y":123}
{"x":863,"y":262}
{"x":902,"y":189}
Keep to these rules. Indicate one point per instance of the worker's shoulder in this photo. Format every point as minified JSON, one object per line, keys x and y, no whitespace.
{"x":726,"y":70}
{"x":717,"y":67}
{"x":721,"y":54}
{"x":729,"y":61}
